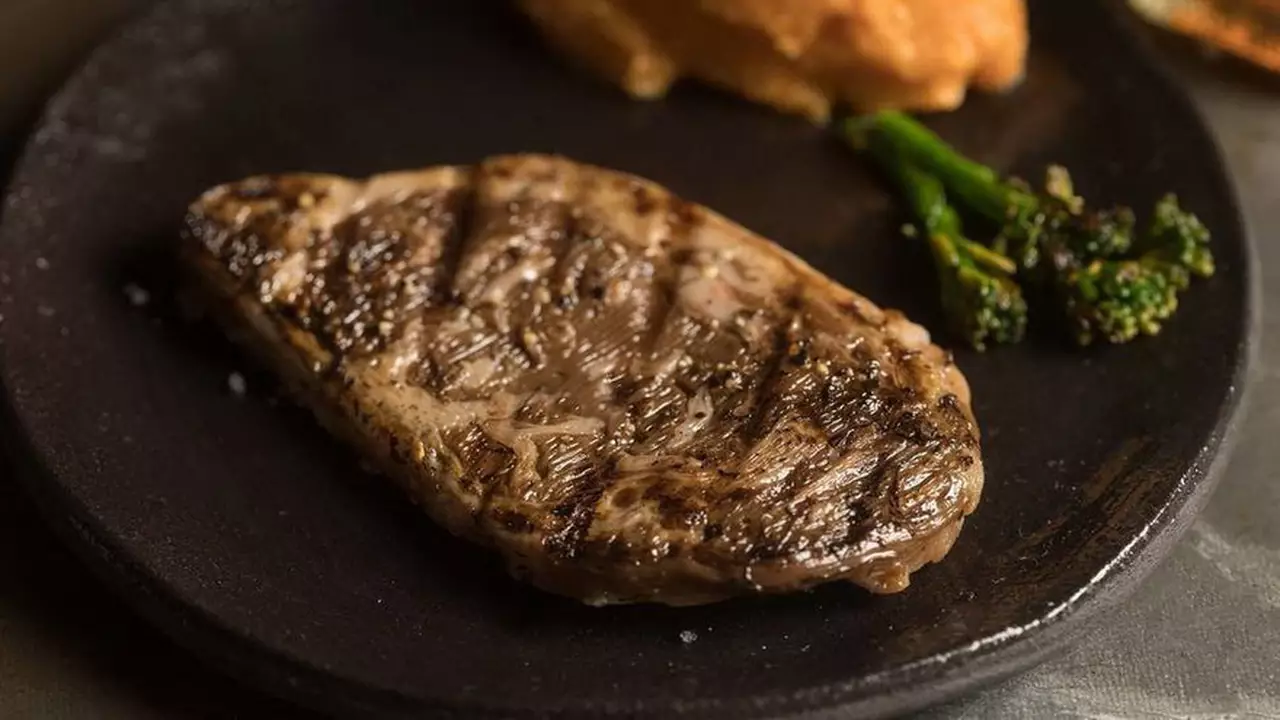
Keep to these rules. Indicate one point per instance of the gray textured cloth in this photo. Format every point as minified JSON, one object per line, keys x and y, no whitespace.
{"x":1200,"y":639}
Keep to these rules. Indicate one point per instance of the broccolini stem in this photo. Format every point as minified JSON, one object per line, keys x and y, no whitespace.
{"x":976,"y":185}
{"x":989,"y":259}
{"x":928,"y":201}
{"x":979,"y":297}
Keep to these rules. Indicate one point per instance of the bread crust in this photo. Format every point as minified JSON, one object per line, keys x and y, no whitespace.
{"x":800,"y":56}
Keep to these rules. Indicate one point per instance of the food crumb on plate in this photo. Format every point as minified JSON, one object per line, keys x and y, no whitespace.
{"x":688,"y":636}
{"x":42,"y":264}
{"x":235,"y":381}
{"x":138,"y":296}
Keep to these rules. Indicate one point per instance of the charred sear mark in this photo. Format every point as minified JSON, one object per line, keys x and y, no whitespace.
{"x":379,"y":268}
{"x":459,"y":206}
{"x":579,"y":511}
{"x":772,"y":369}
{"x":913,"y":425}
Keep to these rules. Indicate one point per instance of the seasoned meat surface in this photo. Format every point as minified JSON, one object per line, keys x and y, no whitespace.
{"x":629,"y":397}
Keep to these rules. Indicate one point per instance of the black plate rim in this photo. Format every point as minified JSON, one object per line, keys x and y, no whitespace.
{"x":890,"y":693}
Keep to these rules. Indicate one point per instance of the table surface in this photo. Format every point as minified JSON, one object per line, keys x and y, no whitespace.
{"x":1201,"y":638}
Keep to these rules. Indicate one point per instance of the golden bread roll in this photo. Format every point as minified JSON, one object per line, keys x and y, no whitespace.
{"x":798,"y":56}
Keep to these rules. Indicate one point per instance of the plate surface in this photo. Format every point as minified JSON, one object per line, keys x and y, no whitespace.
{"x":242,"y":529}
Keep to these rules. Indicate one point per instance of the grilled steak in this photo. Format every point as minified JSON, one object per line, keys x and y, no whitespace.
{"x":629,"y":397}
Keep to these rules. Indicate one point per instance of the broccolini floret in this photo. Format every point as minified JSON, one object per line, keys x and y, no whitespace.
{"x":1109,"y":284}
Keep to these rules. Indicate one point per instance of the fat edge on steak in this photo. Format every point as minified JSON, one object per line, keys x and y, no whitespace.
{"x":629,"y":397}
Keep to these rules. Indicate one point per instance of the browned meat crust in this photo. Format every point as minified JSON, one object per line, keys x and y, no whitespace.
{"x":629,"y":397}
